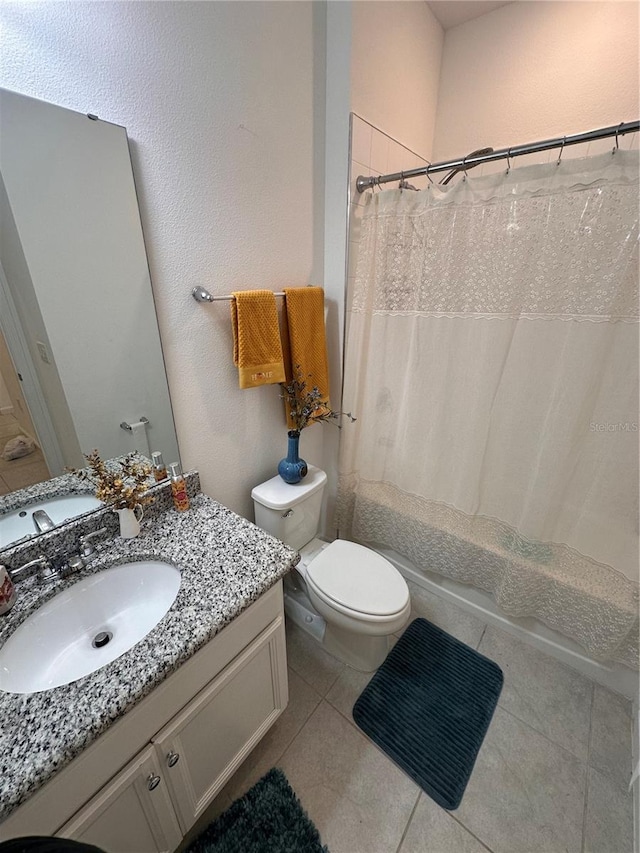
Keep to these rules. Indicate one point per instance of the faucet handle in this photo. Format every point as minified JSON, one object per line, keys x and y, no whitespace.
{"x":47,"y":572}
{"x":87,"y":548}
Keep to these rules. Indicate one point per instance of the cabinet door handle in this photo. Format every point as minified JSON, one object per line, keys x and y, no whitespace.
{"x":173,"y":758}
{"x":153,"y":781}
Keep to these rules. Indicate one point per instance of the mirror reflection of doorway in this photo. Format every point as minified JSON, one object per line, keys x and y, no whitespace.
{"x":15,"y":420}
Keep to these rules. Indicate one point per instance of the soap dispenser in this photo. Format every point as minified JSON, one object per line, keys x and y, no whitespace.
{"x":178,"y":487}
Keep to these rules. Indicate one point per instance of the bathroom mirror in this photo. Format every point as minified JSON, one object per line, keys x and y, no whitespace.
{"x":80,"y":350}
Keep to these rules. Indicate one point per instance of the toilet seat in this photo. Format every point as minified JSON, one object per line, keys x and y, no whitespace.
{"x":357,"y":582}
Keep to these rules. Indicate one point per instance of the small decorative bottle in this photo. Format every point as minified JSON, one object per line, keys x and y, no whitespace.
{"x":178,"y":488}
{"x":159,"y":468}
{"x":7,"y":591}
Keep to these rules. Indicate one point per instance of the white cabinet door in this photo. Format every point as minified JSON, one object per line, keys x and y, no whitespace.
{"x":131,"y":814}
{"x":204,"y":744}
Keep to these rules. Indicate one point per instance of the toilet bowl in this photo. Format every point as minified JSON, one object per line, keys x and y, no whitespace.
{"x":362,"y":598}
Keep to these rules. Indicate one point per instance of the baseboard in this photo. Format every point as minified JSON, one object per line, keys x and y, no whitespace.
{"x":6,"y":410}
{"x":613,"y":676}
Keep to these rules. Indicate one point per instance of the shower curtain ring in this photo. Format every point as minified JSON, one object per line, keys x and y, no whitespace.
{"x":464,"y":167}
{"x":427,"y":173}
{"x":401,"y":179}
{"x":564,"y":139}
{"x":617,"y":146}
{"x":508,"y":161}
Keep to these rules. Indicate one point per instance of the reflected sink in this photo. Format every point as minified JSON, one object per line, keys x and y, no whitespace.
{"x":87,"y":626}
{"x":14,"y":525}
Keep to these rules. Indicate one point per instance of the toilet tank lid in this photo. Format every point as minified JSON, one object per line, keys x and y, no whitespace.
{"x":276,"y":494}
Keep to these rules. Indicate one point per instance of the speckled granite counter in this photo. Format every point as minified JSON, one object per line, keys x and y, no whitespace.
{"x":226,"y":564}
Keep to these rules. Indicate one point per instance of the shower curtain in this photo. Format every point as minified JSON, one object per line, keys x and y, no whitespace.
{"x":492,"y":362}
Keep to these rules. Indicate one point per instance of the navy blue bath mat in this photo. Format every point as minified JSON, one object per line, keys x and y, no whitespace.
{"x":429,"y":707}
{"x":268,"y":819}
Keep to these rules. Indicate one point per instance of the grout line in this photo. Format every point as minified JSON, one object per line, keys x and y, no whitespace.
{"x":466,"y":829}
{"x":406,"y":829}
{"x":543,"y":735}
{"x":301,"y":675}
{"x":297,"y":731}
{"x":300,"y":730}
{"x":484,"y":631}
{"x":328,"y":690}
{"x":586,"y":774}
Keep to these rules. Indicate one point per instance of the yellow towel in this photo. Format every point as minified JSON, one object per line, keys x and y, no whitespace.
{"x":257,"y":349}
{"x":304,"y":340}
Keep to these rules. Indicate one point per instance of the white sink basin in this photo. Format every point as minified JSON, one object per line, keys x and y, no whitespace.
{"x":14,"y":525}
{"x":57,"y":643}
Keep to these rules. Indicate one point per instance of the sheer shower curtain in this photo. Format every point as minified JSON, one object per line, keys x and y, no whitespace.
{"x":492,"y":361}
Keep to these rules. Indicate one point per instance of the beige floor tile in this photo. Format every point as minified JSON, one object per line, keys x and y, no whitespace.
{"x":9,"y":426}
{"x":25,"y":475}
{"x":348,"y":686}
{"x":346,"y":689}
{"x":611,"y":735}
{"x":433,"y":830}
{"x":303,"y":700}
{"x":359,"y":800}
{"x":540,"y":691}
{"x":609,"y":819}
{"x":450,"y":618}
{"x":307,"y":657}
{"x":23,"y":461}
{"x":526,"y":794}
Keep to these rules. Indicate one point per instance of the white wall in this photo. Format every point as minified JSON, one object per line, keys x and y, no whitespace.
{"x":536,"y":70}
{"x":16,"y":271}
{"x":218,"y":100}
{"x":395,"y":67}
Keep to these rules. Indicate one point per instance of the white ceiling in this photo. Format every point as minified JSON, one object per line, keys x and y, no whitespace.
{"x":450,"y":13}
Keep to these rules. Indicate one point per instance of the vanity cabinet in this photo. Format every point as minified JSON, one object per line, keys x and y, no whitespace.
{"x":128,"y":814}
{"x":226,"y":720}
{"x":191,"y":749}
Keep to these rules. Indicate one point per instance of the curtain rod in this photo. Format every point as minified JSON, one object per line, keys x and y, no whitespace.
{"x":459,"y":164}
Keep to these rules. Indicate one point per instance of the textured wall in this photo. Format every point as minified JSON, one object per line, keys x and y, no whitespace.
{"x":395,"y":66}
{"x":218,"y":100}
{"x":534,"y":70}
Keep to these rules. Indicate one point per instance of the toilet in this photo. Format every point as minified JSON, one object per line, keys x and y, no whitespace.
{"x":346,"y":595}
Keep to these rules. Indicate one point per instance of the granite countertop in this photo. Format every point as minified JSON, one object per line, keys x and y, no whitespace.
{"x":226,"y":564}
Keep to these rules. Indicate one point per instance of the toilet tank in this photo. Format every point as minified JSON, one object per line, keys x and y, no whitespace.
{"x":290,"y":513}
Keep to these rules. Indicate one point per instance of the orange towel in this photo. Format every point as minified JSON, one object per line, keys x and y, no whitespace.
{"x":304,"y":340}
{"x":257,"y":349}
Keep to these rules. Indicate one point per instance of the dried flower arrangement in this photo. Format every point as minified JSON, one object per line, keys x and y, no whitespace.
{"x":306,"y":406}
{"x":122,"y":484}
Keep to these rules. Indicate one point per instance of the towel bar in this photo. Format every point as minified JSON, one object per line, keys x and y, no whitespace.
{"x":202,"y":295}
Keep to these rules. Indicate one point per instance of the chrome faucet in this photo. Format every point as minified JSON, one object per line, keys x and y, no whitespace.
{"x":46,"y":571}
{"x":61,"y":568}
{"x":87,"y":548}
{"x":86,"y":553}
{"x":42,"y":521}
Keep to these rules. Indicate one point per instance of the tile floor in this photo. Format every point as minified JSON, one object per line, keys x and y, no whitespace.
{"x":19,"y":473}
{"x":551,"y":777}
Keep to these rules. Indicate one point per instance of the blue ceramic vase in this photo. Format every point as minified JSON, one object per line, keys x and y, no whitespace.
{"x":292,"y":469}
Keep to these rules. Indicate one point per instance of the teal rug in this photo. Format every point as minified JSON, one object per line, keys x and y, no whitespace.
{"x":268,"y":819}
{"x":429,"y":707}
